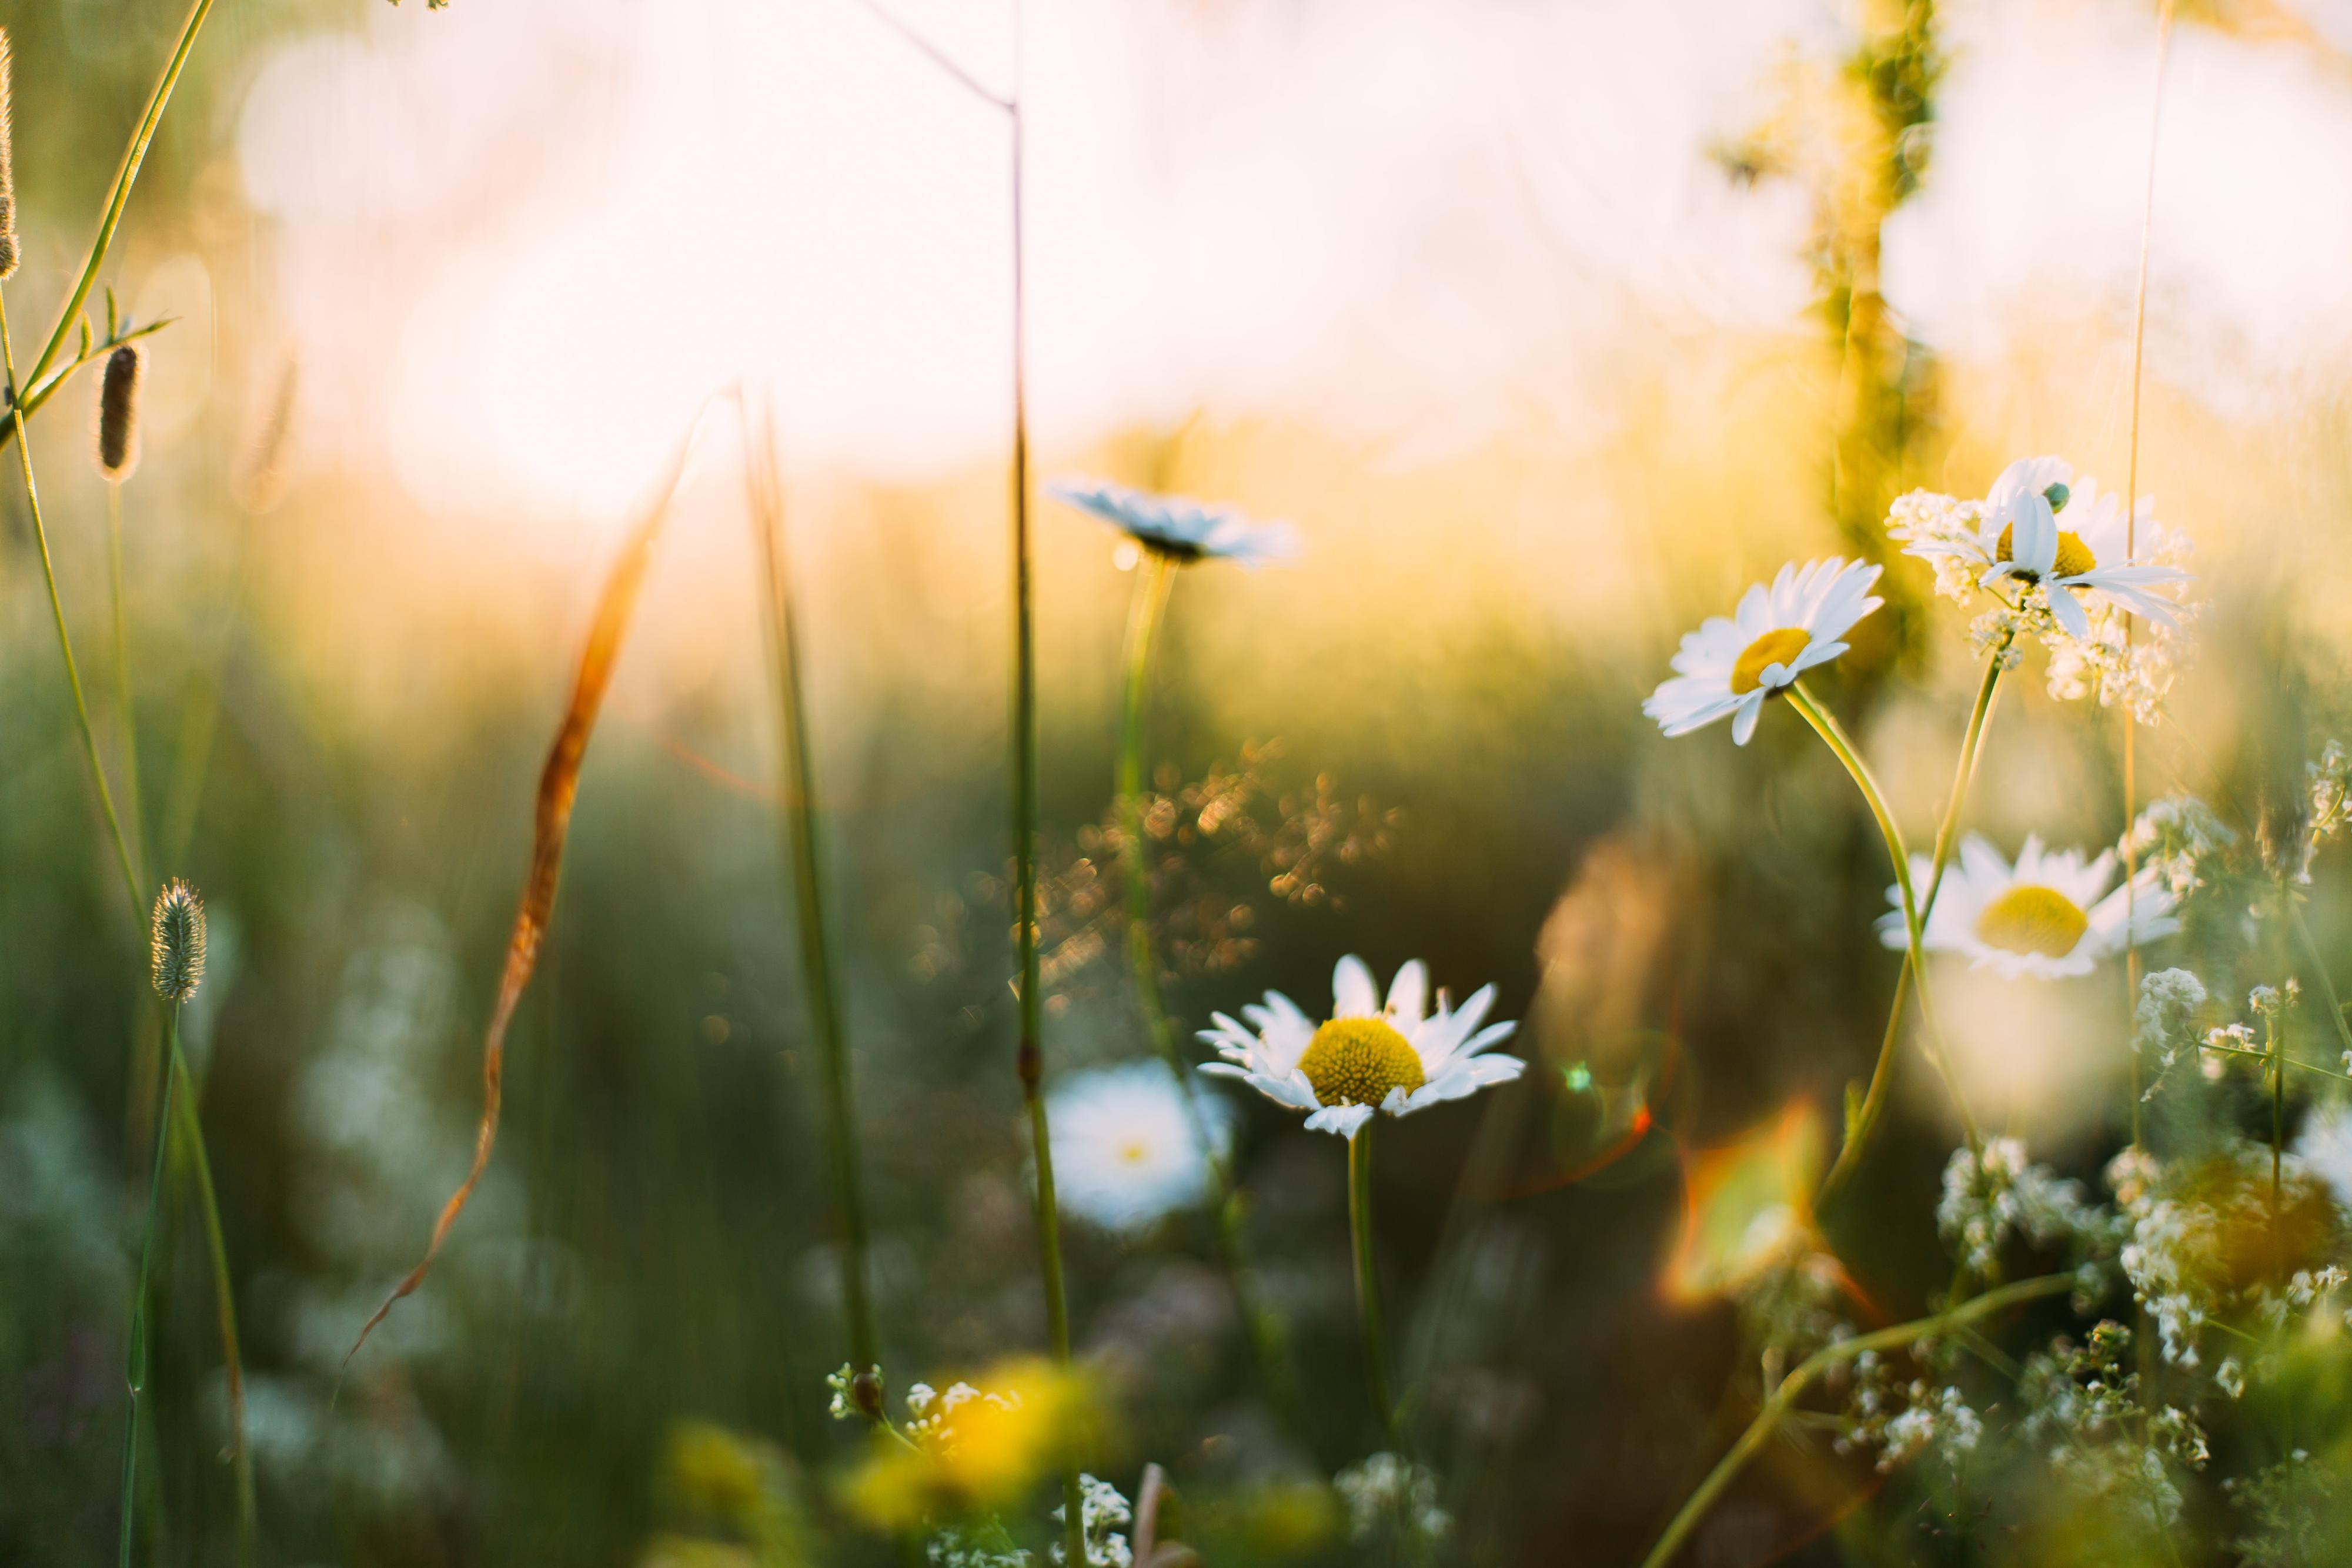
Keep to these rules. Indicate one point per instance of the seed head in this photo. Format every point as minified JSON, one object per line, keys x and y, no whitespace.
{"x":118,"y":413}
{"x":178,"y":940}
{"x":7,"y":173}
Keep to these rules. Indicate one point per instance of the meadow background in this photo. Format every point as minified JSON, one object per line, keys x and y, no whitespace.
{"x":1549,"y":324}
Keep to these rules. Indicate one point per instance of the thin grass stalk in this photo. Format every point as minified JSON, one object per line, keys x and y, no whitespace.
{"x":1832,"y":734}
{"x":127,"y":714}
{"x":135,"y":1371}
{"x":1368,"y":1286}
{"x":2131,"y":547}
{"x":796,"y":815}
{"x":1155,"y":580}
{"x":125,"y":177}
{"x":1882,"y":1075}
{"x":188,"y":1125}
{"x":1031,"y":1060}
{"x":1778,"y":1405}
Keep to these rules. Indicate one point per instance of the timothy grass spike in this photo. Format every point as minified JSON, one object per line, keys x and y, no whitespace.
{"x":559,"y":784}
{"x":177,"y":939}
{"x":118,"y":413}
{"x":8,"y":171}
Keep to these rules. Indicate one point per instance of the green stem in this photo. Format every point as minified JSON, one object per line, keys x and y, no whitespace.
{"x":1368,"y":1289}
{"x":2276,"y":1045}
{"x":122,"y":702}
{"x":131,"y":880}
{"x":1882,"y":1075}
{"x":2294,"y":1063}
{"x":1826,"y":726}
{"x":798,"y":813}
{"x":136,"y":1370}
{"x":1155,"y":580}
{"x":43,"y":391}
{"x":1782,"y":1398}
{"x":188,"y":1124}
{"x":1030,"y":1060}
{"x":125,"y":177}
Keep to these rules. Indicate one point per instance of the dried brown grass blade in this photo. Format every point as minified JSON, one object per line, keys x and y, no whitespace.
{"x":559,"y":783}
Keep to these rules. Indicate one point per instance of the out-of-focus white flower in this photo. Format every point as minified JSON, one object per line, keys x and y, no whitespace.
{"x":1177,"y":525}
{"x":1729,"y":666}
{"x":2182,"y":838}
{"x":1398,"y":1058}
{"x":2042,"y":916}
{"x":1102,"y":1512}
{"x":1386,"y":1488}
{"x":1124,"y":1150}
{"x":2326,"y":1145}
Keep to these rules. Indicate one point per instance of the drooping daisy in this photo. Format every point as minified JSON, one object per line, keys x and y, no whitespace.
{"x":2027,"y":544}
{"x":1124,"y":1152}
{"x":1398,"y":1058}
{"x":1177,"y":527}
{"x":2045,"y":916}
{"x":1729,"y":666}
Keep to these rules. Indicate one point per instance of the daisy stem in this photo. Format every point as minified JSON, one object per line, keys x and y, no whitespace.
{"x":1368,"y":1289}
{"x":136,"y":1370}
{"x":817,"y":963}
{"x":1155,"y":580}
{"x":1882,"y":1075}
{"x":1826,"y":726}
{"x":1779,"y":1403}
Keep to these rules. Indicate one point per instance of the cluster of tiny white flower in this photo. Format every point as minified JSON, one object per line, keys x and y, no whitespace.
{"x":2078,"y":568}
{"x":2155,"y":1257}
{"x":1387,"y":1490}
{"x":2330,"y":780}
{"x":930,"y":1414}
{"x":2164,"y":1022}
{"x":2183,"y":839}
{"x":1901,"y":1421}
{"x":964,"y":1546}
{"x":1103,"y":1511}
{"x":2084,"y":1409}
{"x":1993,"y":1196}
{"x":843,"y":1384}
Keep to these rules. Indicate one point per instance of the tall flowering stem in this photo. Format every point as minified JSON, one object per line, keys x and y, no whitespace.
{"x":1155,"y":580}
{"x":1367,"y":1285}
{"x":184,"y":1120}
{"x":798,"y":814}
{"x":1865,"y":1119}
{"x":136,"y":1370}
{"x":1833,"y":735}
{"x":1784,"y":1397}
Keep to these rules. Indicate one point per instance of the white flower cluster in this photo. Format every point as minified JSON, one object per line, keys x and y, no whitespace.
{"x":2164,"y":1022}
{"x":984,"y":1546}
{"x":1902,"y":1421}
{"x":1991,"y":1197}
{"x":2067,"y":568}
{"x":1387,"y":1490}
{"x":1103,"y":1511}
{"x":2101,"y":1440}
{"x":2183,"y":839}
{"x":2155,"y":1252}
{"x":2330,"y":780}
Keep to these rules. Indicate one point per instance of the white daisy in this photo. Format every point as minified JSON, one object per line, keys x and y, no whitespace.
{"x":1367,"y":1057}
{"x":1175,"y":526}
{"x":1124,"y":1154}
{"x":2045,"y":916}
{"x":2324,"y":1145}
{"x":1729,"y":666}
{"x":2027,"y":544}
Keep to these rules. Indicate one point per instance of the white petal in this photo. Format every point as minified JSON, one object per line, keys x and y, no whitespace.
{"x":1343,"y":1120}
{"x":1354,"y":993}
{"x":1409,"y":993}
{"x":1750,"y":710}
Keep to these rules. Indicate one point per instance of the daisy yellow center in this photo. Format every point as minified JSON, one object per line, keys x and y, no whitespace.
{"x":1356,"y":1062}
{"x":2029,"y":918}
{"x":1134,"y":1152}
{"x":1777,"y":646}
{"x":2074,"y":557}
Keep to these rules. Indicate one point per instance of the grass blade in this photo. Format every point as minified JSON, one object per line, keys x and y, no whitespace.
{"x":559,"y":783}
